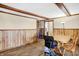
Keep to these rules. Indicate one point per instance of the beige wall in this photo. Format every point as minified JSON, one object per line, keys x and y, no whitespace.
{"x":15,"y":22}
{"x":15,"y":38}
{"x":70,"y":22}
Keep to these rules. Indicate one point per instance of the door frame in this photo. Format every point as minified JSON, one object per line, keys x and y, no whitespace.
{"x":44,"y":25}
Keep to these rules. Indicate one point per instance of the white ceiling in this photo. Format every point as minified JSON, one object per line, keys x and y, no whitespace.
{"x":49,"y":10}
{"x":73,"y":8}
{"x":44,"y":9}
{"x":17,"y":13}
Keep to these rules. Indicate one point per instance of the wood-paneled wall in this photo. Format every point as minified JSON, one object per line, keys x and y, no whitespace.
{"x":16,"y":37}
{"x":72,"y":32}
{"x":58,"y":31}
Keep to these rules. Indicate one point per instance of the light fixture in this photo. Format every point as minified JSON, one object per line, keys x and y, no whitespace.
{"x":63,"y":26}
{"x":62,"y":22}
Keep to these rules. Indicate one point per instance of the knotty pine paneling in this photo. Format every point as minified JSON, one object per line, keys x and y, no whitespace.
{"x":15,"y":38}
{"x":59,"y":31}
{"x":72,"y":32}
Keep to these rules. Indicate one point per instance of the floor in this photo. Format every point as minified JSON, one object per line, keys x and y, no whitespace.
{"x":35,"y":49}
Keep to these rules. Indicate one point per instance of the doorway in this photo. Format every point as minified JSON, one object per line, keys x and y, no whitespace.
{"x":49,"y":28}
{"x":45,"y":27}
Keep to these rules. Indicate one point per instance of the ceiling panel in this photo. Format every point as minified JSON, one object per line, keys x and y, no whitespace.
{"x":49,"y":10}
{"x":73,"y":8}
{"x":13,"y":12}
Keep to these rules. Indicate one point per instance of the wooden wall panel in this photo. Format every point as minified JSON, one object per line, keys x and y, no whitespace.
{"x":71,"y":32}
{"x":0,"y":40}
{"x":66,"y":31}
{"x":14,"y":38}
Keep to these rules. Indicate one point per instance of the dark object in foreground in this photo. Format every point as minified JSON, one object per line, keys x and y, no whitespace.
{"x":51,"y":46}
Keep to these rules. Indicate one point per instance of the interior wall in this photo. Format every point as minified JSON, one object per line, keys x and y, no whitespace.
{"x":15,"y":22}
{"x":16,"y":31}
{"x":15,"y":38}
{"x":70,"y":22}
{"x":71,"y":26}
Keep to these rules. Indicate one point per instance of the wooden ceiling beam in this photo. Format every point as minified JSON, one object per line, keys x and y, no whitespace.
{"x":18,"y":15}
{"x":62,"y":7}
{"x":65,"y":16}
{"x":21,"y":11}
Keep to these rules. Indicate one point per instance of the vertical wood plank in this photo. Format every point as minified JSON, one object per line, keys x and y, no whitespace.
{"x":15,"y":38}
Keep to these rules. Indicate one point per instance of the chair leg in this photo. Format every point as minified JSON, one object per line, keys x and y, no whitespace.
{"x":73,"y":53}
{"x":63,"y":52}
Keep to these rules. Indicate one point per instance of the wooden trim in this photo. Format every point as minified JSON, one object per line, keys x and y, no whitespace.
{"x":75,"y":14}
{"x":46,"y":20}
{"x":63,"y":8}
{"x":65,"y":16}
{"x":66,"y":28}
{"x":21,"y":11}
{"x":16,"y":14}
{"x":15,"y":29}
